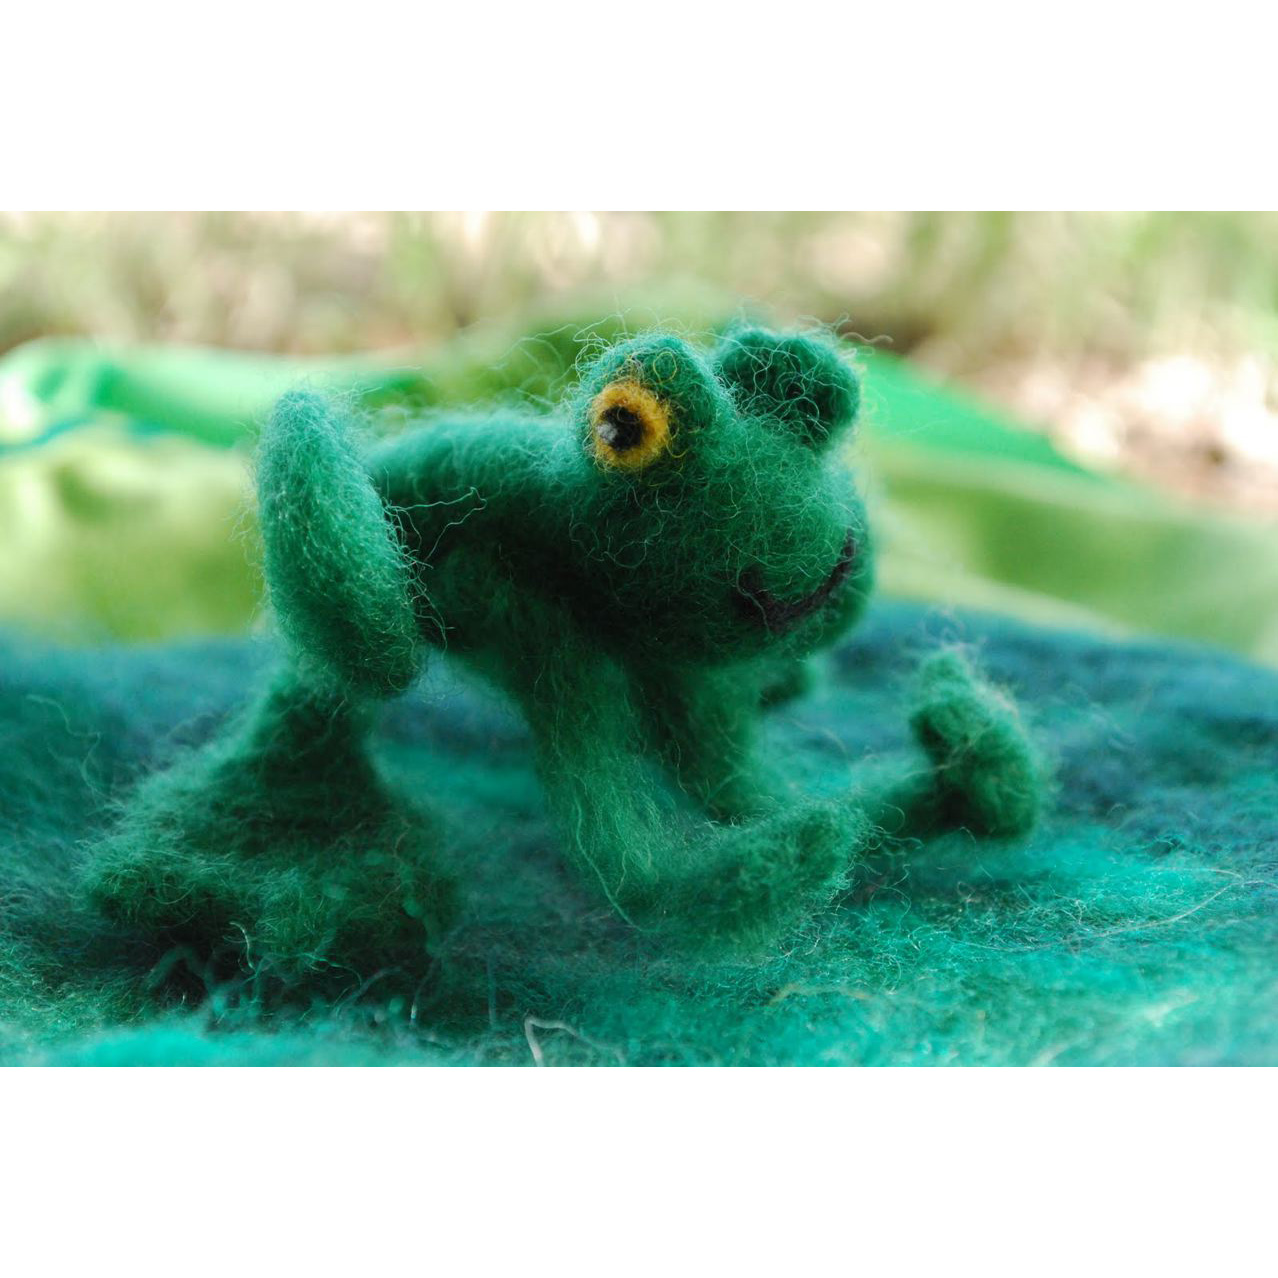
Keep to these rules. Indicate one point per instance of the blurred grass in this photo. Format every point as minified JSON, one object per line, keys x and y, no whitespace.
{"x":1010,"y":303}
{"x":958,"y":289}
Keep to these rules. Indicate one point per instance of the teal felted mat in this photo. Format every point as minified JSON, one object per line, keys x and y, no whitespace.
{"x":1138,"y":926}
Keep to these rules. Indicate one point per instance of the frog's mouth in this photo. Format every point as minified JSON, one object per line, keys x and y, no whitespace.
{"x":761,"y":605}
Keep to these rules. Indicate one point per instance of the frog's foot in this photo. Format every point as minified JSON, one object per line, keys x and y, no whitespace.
{"x":745,"y":886}
{"x":280,"y":866}
{"x":986,"y":774}
{"x":339,"y":577}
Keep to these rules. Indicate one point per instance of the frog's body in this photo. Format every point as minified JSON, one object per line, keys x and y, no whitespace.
{"x":640,"y":573}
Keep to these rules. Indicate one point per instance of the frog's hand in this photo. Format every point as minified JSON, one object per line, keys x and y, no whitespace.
{"x":987,"y":772}
{"x":338,"y":575}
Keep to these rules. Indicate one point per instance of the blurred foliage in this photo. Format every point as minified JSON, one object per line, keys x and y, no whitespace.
{"x":960,"y":290}
{"x":1140,"y":341}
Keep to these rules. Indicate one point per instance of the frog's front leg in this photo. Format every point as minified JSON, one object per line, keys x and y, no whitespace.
{"x":986,"y":772}
{"x":705,"y":725}
{"x":740,"y":883}
{"x":981,"y":770}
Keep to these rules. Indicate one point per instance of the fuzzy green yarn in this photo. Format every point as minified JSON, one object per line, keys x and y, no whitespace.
{"x":1137,"y":925}
{"x":640,"y":574}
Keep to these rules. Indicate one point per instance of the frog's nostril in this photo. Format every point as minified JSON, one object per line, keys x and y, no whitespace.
{"x":761,"y":605}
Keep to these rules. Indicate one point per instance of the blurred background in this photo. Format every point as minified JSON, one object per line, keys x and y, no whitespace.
{"x":1073,"y":416}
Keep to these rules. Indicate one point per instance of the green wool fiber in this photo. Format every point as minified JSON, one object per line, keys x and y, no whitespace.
{"x":655,"y":802}
{"x":798,"y":381}
{"x":276,"y":842}
{"x":639,"y":573}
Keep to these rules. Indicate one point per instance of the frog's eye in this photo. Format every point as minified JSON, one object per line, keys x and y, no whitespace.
{"x":793,"y":380}
{"x":630,"y":426}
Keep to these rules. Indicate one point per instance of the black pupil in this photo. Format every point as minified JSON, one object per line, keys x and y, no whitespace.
{"x":620,"y":428}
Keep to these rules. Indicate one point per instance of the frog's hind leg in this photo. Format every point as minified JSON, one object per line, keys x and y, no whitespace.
{"x":278,"y":840}
{"x":279,"y":843}
{"x":340,"y":581}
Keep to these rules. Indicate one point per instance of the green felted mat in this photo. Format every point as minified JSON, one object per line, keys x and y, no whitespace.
{"x":1138,"y":926}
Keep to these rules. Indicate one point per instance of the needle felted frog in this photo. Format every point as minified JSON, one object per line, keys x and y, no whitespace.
{"x":641,"y":572}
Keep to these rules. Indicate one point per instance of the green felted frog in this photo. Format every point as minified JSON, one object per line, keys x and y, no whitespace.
{"x":642,"y":573}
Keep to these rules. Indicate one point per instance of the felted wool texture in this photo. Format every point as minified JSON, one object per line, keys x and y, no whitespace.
{"x":634,"y":572}
{"x":1137,"y":925}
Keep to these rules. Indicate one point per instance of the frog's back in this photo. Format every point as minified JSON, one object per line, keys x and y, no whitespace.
{"x":468,"y":491}
{"x":495,"y":458}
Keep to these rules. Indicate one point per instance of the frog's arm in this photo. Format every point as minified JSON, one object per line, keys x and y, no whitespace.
{"x":715,"y":882}
{"x":988,"y":775}
{"x":979,"y":768}
{"x":705,"y":724}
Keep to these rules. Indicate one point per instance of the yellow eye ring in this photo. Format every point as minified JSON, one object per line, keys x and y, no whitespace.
{"x":630,"y":426}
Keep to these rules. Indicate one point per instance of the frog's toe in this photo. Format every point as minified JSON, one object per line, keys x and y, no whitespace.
{"x":788,"y":681}
{"x":379,"y":907}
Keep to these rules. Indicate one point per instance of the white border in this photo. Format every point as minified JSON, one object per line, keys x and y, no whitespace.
{"x":651,"y":105}
{"x":639,"y":1172}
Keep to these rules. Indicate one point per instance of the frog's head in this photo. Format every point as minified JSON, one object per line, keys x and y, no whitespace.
{"x":720,"y":519}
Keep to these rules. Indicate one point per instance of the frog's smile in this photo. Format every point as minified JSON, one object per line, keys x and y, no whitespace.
{"x":775,"y":614}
